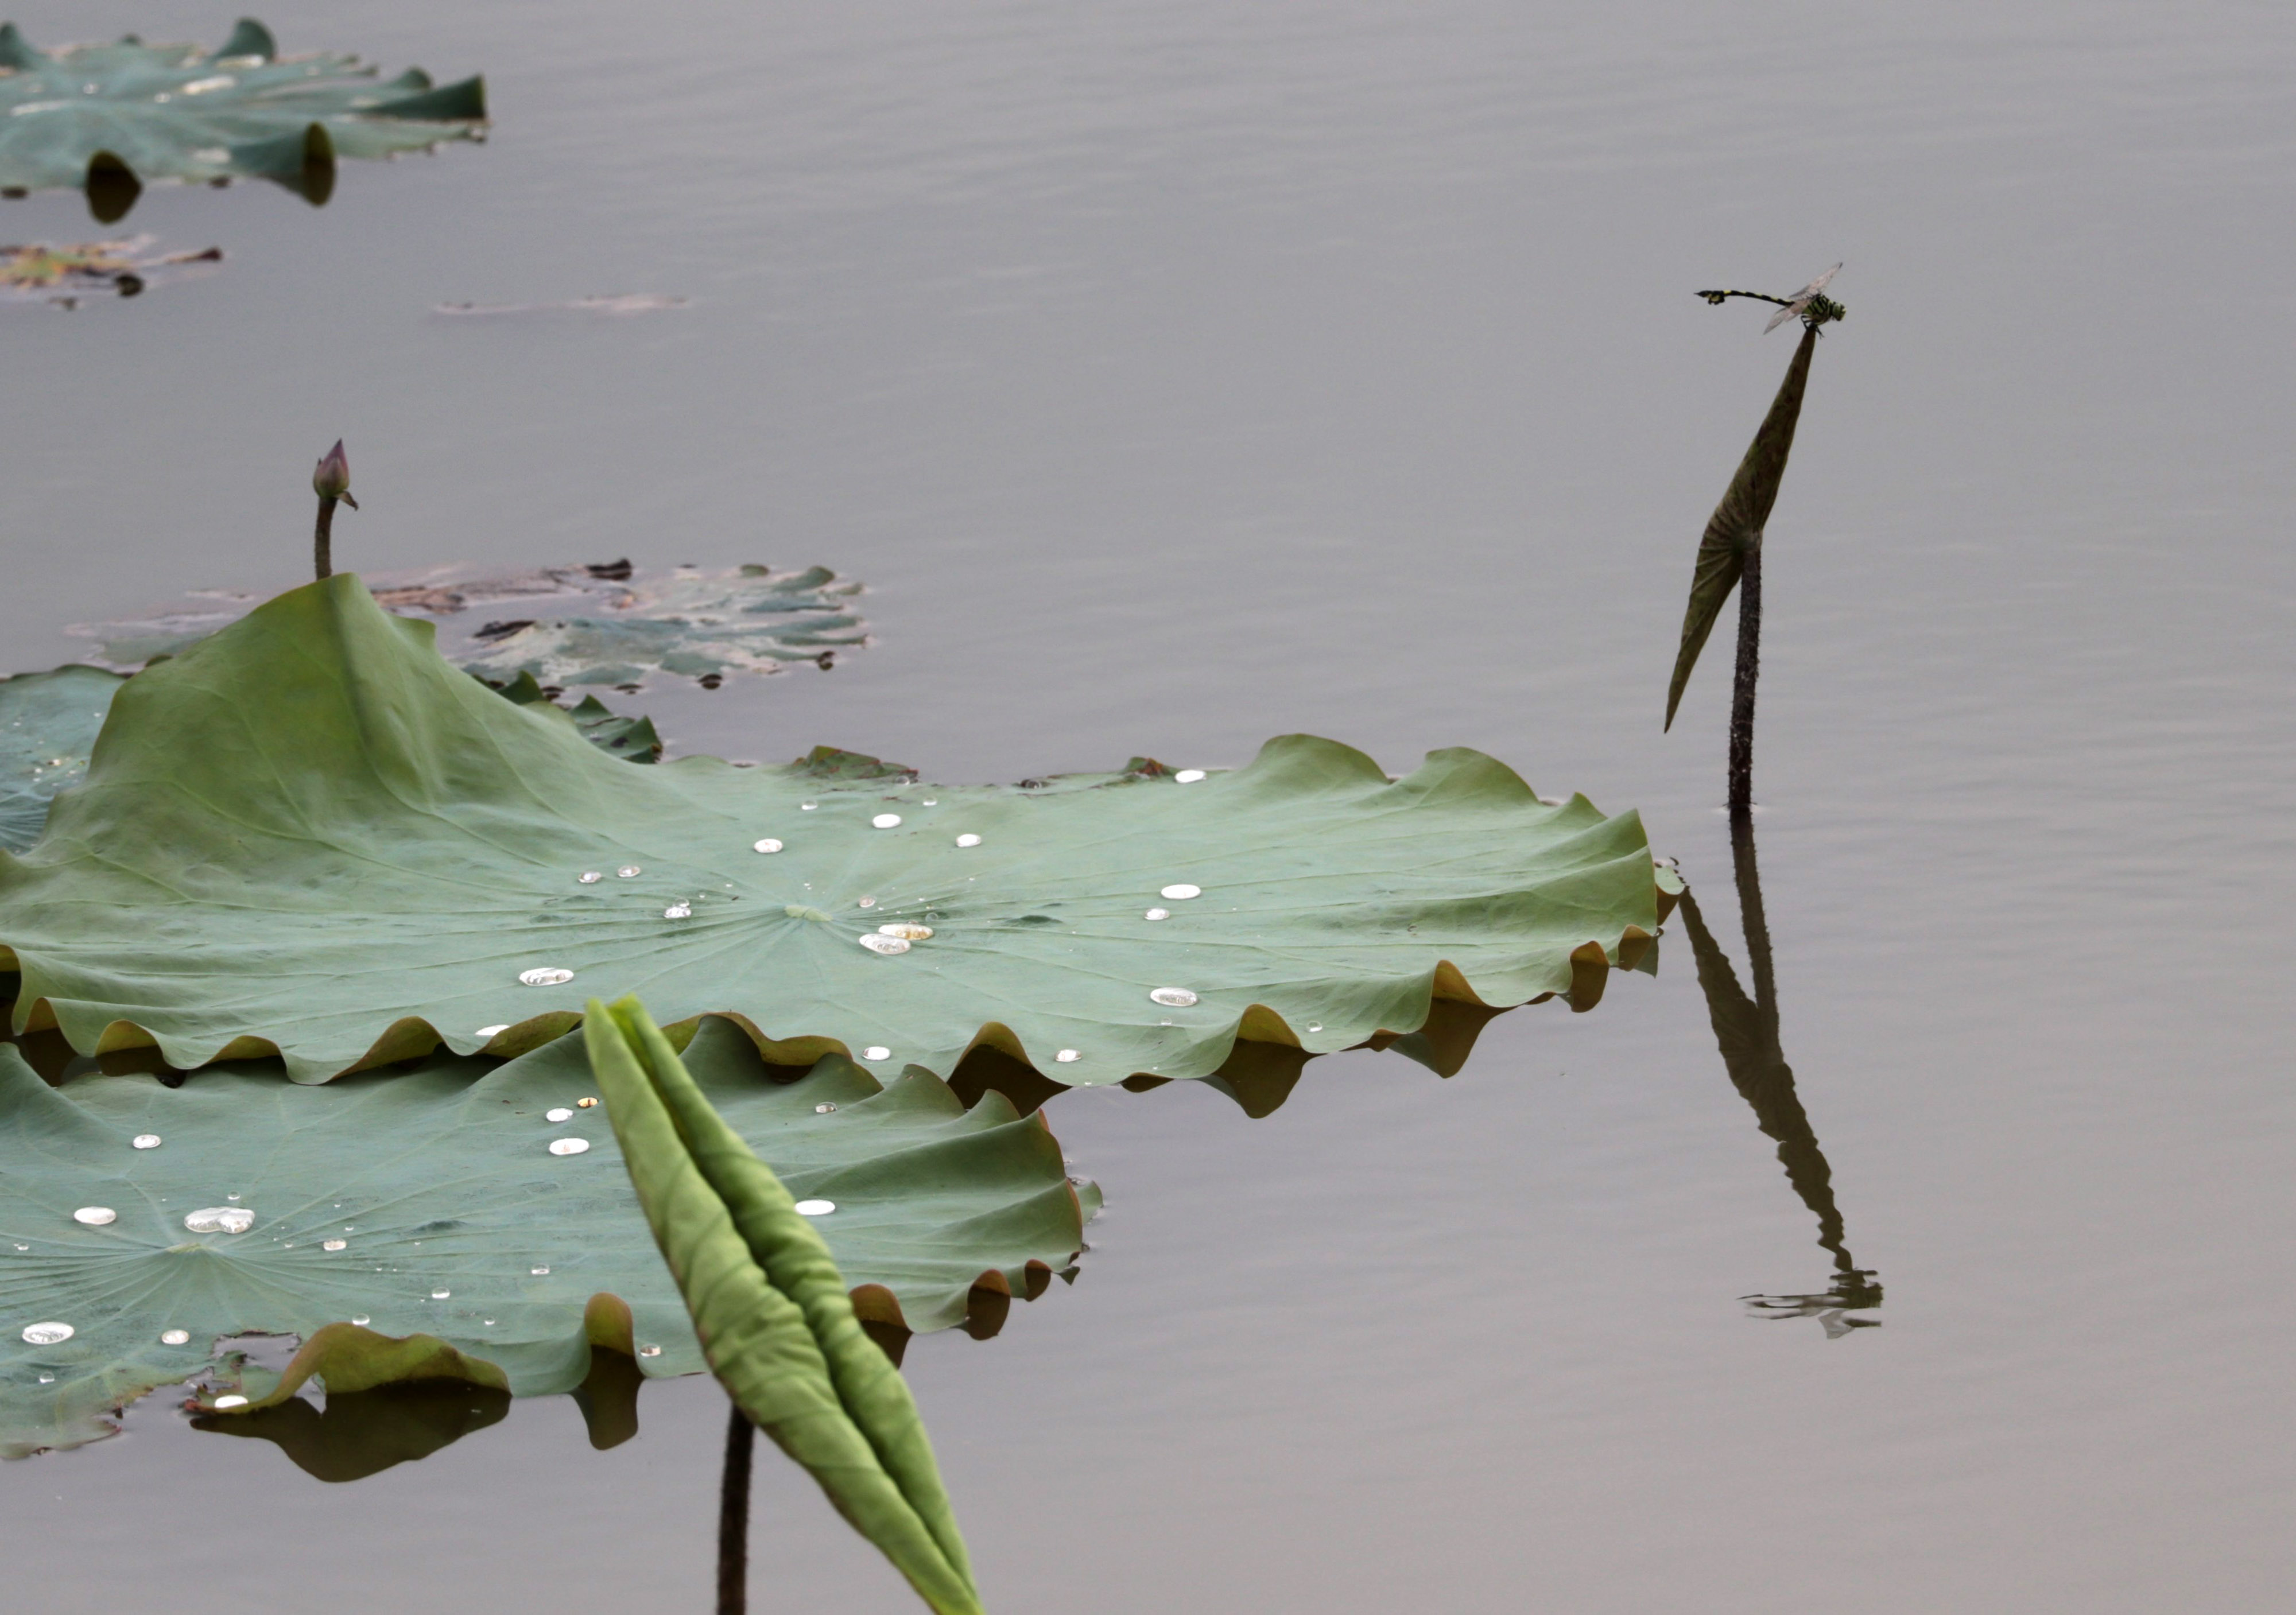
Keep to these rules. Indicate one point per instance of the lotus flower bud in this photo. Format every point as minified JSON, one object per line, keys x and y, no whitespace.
{"x":333,"y":478}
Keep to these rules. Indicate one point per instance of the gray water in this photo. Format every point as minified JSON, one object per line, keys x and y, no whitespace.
{"x":1180,"y":374}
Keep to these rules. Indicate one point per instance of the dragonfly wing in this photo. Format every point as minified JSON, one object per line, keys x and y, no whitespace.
{"x":1785,"y":314}
{"x":1819,"y":284}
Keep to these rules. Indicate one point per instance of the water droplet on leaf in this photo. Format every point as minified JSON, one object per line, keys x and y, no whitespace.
{"x":1157,"y":913}
{"x":884,"y":945}
{"x":1068,"y":1056}
{"x":440,"y":1295}
{"x":219,"y":1219}
{"x":147,"y":1141}
{"x":1174,"y":997}
{"x":906,"y":930}
{"x":649,"y":1351}
{"x":545,"y":975}
{"x":539,"y":1271}
{"x":815,"y":1208}
{"x":885,"y":821}
{"x":876,"y":1051}
{"x":176,"y":1337}
{"x":95,"y":1216}
{"x":333,"y":1244}
{"x":590,"y":877}
{"x":231,"y":1399}
{"x":1188,"y":776}
{"x":1182,"y":892}
{"x":822,"y":1109}
{"x":968,"y":840}
{"x":584,"y":1104}
{"x":678,"y":911}
{"x":47,"y":1334}
{"x":561,"y":1114}
{"x":767,"y":845}
{"x":576,"y":1146}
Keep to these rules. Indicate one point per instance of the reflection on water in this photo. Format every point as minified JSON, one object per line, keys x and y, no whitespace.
{"x":362,"y":1433}
{"x":1747,"y":1029}
{"x":734,"y":1513}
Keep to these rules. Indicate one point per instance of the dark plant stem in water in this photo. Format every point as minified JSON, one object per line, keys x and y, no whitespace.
{"x":1741,"y":696}
{"x":734,"y":1515}
{"x":322,"y":539}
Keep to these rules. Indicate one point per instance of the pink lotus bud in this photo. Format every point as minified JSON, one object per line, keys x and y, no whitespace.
{"x":332,"y":479}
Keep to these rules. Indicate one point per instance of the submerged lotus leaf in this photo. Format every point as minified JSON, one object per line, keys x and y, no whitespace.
{"x":605,"y":624}
{"x":48,"y":724}
{"x":309,"y":835}
{"x":439,"y":1177}
{"x":114,"y":117}
{"x":61,"y":276}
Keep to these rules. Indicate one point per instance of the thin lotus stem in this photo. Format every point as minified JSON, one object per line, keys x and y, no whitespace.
{"x":1741,"y":699}
{"x":322,"y":539}
{"x":733,"y":1516}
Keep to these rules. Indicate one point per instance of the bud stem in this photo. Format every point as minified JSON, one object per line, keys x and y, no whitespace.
{"x":322,"y":539}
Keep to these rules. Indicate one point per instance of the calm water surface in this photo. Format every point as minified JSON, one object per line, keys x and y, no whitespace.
{"x":1180,"y":374}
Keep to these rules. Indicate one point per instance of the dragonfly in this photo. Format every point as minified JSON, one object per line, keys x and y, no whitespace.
{"x":1811,"y":304}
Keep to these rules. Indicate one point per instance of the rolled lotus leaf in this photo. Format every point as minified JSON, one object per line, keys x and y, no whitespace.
{"x":771,"y":1309}
{"x":1736,"y":525}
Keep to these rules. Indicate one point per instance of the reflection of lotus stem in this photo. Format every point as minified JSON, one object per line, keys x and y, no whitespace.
{"x":733,"y":1516}
{"x":1741,"y":697}
{"x":323,"y":538}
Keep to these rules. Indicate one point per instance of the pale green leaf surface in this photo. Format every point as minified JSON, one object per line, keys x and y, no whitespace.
{"x":771,"y":1308}
{"x":310,"y":835}
{"x":439,"y":1177}
{"x":49,"y":721}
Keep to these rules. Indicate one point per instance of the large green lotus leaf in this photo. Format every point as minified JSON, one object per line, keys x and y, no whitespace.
{"x":439,"y":1177}
{"x":111,"y":116}
{"x":48,"y":724}
{"x":311,"y":836}
{"x":560,"y":626}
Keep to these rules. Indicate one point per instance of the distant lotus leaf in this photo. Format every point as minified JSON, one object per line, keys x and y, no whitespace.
{"x":564,"y":626}
{"x":693,"y":624}
{"x":112,"y":118}
{"x":440,"y":1184}
{"x":311,"y":836}
{"x":48,"y":724}
{"x":61,"y":276}
{"x":771,"y":1309}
